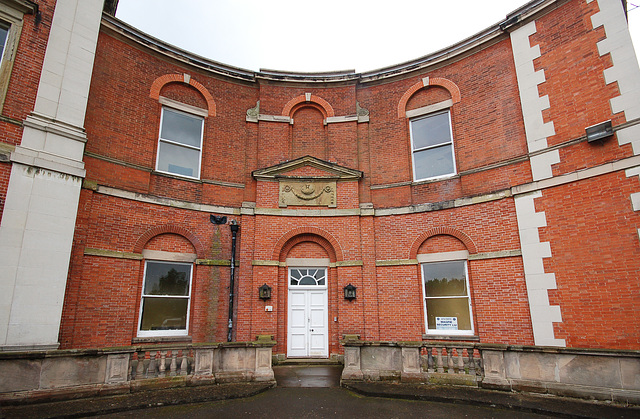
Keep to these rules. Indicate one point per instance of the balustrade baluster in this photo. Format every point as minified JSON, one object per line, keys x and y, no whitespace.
{"x":153,"y":364}
{"x":430,"y":361}
{"x":460,"y":361}
{"x":449,"y":360}
{"x":472,"y":362}
{"x":191,"y":362}
{"x":140,"y":369}
{"x":146,"y":362}
{"x":163,"y":366}
{"x":479,"y":366}
{"x":134,"y":365}
{"x":439,"y":363}
{"x":183,"y":364}
{"x":174,"y":366}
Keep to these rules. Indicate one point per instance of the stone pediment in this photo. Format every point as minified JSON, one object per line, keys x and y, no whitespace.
{"x":307,"y":181}
{"x":307,"y":168}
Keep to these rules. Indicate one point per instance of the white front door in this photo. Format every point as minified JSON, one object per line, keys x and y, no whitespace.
{"x":307,"y":314}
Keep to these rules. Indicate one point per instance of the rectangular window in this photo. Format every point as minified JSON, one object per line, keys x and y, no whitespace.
{"x":166,"y":298}
{"x":447,"y":303}
{"x":432,"y":146}
{"x":180,"y":143}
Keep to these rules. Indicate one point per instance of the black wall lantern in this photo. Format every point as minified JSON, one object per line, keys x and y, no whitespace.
{"x":264,"y":292}
{"x":349,"y":292}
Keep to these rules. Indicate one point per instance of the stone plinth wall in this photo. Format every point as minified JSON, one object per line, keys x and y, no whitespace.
{"x":593,"y":374}
{"x":57,"y":375}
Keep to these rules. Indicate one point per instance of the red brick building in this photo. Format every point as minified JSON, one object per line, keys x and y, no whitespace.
{"x":457,"y":196}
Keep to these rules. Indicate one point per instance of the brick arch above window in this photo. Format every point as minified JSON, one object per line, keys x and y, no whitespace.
{"x":426,"y":82}
{"x":449,"y":231}
{"x":161,"y":81}
{"x":307,"y":234}
{"x":172,"y":229}
{"x":321,"y":104}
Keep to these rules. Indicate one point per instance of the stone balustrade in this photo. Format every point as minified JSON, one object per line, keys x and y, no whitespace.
{"x":52,"y":375}
{"x":612,"y":375}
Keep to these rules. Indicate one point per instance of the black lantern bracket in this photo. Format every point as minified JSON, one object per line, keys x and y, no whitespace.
{"x":350,"y":292}
{"x":264,"y":292}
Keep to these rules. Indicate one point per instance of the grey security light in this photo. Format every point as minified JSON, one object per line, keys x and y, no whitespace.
{"x":599,"y":131}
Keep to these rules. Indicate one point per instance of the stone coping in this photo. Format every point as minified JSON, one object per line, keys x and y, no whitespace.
{"x":130,"y":349}
{"x":496,"y":347}
{"x":525,"y":402}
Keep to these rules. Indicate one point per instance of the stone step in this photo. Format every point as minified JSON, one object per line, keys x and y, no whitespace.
{"x":308,"y":362}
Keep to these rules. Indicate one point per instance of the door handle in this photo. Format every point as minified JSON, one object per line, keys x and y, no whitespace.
{"x":312,"y":330}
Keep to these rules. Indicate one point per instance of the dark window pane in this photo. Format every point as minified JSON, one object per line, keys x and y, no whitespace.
{"x":181,"y":128}
{"x":4,"y":31}
{"x":448,"y":307}
{"x":445,"y":279}
{"x":430,"y":130}
{"x":307,"y":280}
{"x":179,"y":160}
{"x":167,"y":279}
{"x":433,"y":162}
{"x":164,"y":313}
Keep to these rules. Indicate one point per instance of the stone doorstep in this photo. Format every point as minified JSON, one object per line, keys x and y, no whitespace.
{"x":529,"y":402}
{"x":307,"y":362}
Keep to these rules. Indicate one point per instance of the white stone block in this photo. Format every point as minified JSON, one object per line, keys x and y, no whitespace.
{"x":541,"y":281}
{"x":635,"y":201}
{"x":532,"y":265}
{"x":529,"y":235}
{"x":541,"y":164}
{"x":538,"y":297}
{"x":634,"y":171}
{"x":32,"y":334}
{"x":532,"y":220}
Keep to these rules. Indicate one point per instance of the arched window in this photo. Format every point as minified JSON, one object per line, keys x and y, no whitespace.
{"x":180,"y":139}
{"x":445,"y":287}
{"x":166,"y":287}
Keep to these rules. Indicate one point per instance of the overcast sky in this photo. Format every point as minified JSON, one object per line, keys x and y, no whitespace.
{"x":328,"y":35}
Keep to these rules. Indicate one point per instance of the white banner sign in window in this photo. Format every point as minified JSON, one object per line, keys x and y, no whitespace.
{"x":446,"y":323}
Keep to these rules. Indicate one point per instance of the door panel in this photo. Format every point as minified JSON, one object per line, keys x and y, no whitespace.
{"x":308,"y":334}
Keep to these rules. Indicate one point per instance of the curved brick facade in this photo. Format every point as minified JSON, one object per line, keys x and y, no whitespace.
{"x":321,"y":171}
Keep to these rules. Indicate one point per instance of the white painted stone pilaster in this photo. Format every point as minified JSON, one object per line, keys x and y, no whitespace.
{"x":538,"y":282}
{"x":625,"y":69}
{"x":537,"y":131}
{"x":635,"y":197}
{"x":38,"y":221}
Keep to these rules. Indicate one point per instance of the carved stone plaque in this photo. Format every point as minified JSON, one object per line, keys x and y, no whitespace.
{"x":315,"y":192}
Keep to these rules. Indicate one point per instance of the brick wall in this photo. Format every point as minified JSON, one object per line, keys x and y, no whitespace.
{"x":591,"y":225}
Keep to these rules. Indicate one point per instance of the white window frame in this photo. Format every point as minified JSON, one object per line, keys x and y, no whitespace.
{"x":428,"y":112}
{"x":457,"y":256}
{"x":165,"y":333}
{"x":12,"y":14}
{"x":189,"y":111}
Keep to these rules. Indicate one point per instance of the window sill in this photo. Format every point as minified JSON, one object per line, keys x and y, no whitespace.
{"x":436,"y":179}
{"x":178,"y":177}
{"x":463,"y":338}
{"x":162,"y":339}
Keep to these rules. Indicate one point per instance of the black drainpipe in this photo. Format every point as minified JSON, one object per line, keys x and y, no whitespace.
{"x":234,"y":231}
